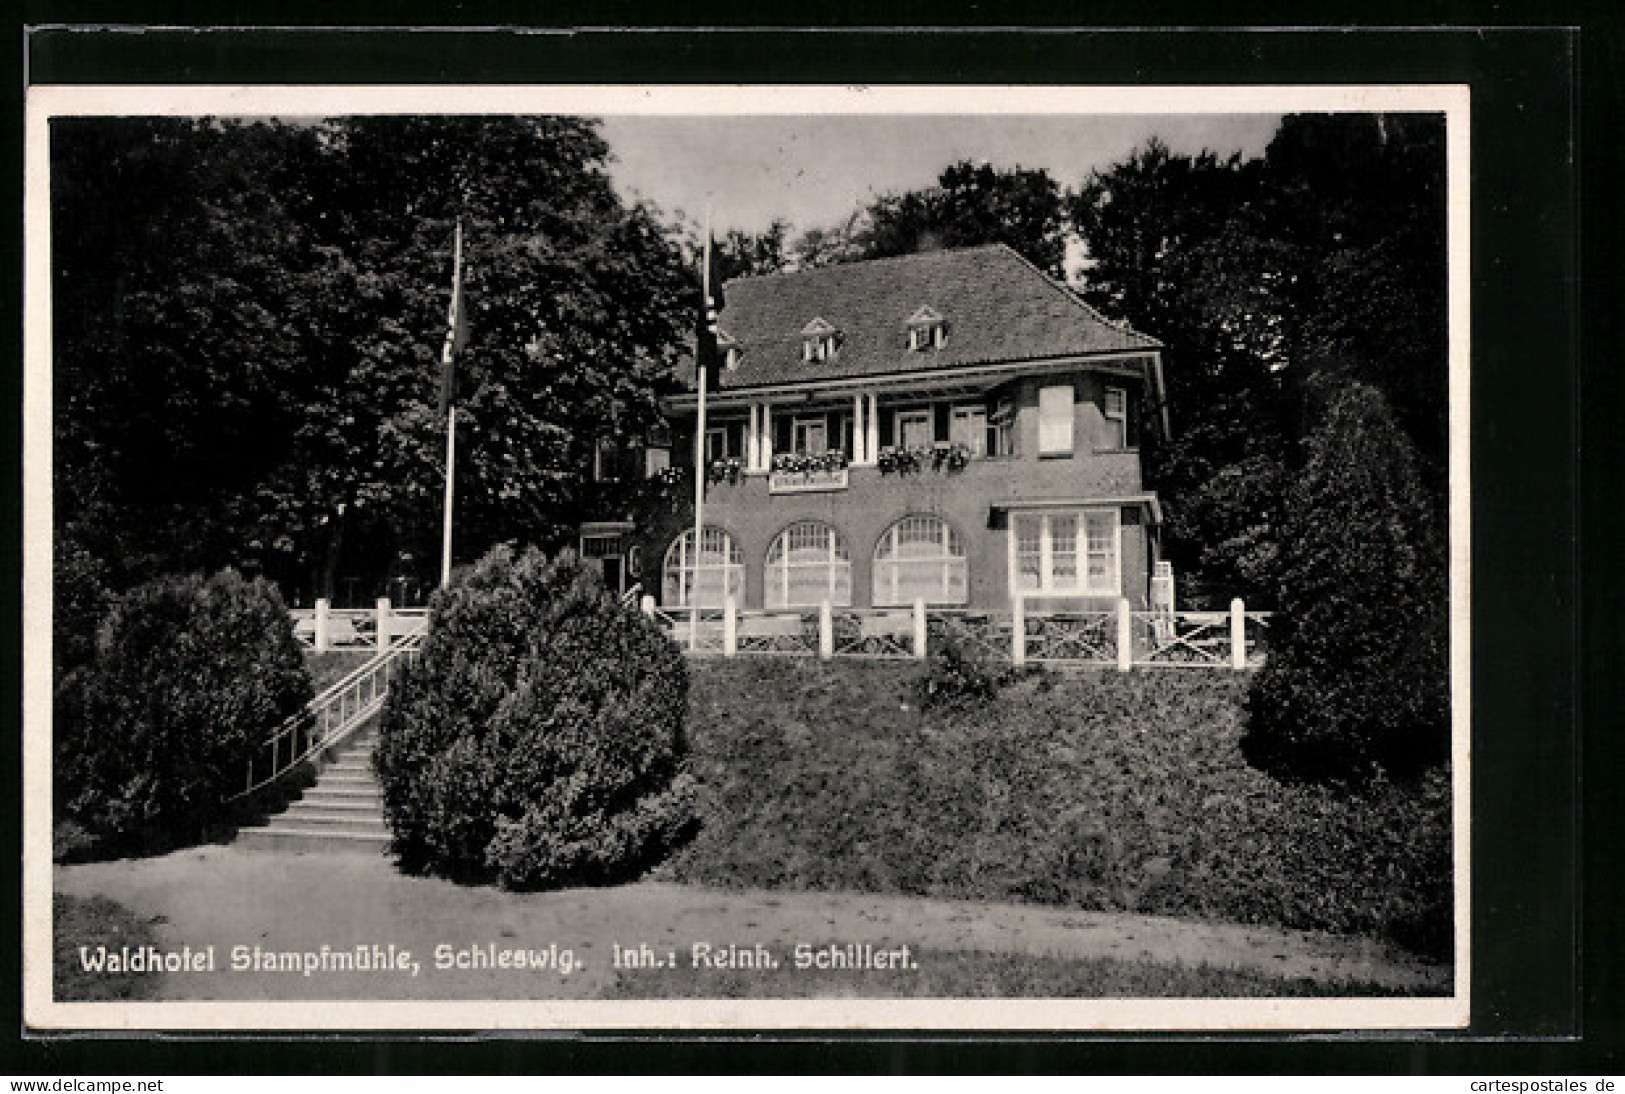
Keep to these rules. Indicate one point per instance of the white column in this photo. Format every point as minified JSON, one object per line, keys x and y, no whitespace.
{"x":1125,"y":636}
{"x":323,"y":641}
{"x":381,"y":627}
{"x":1018,"y":631}
{"x":874,"y":427}
{"x":767,"y":436}
{"x":730,"y":627}
{"x":860,"y":433}
{"x":826,"y":630}
{"x":750,"y":439}
{"x":919,"y":628}
{"x":1238,"y":634}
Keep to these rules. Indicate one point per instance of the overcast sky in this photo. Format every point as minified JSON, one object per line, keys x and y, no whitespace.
{"x":816,"y":169}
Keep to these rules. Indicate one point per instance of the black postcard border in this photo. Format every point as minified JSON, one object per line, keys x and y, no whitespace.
{"x":1543,"y":991}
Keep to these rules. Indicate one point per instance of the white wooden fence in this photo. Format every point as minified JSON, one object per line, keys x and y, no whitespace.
{"x":381,"y":627}
{"x":1121,"y":638}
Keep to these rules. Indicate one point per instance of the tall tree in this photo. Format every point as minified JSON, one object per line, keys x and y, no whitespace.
{"x":1177,"y":247}
{"x":181,"y":349}
{"x":752,"y":254}
{"x":1361,"y":199}
{"x":256,"y":349}
{"x":972,"y":203}
{"x":1358,"y":675}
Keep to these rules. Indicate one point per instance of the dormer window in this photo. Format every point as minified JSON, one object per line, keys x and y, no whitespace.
{"x":927,"y":330}
{"x":730,"y":349}
{"x":819,"y":341}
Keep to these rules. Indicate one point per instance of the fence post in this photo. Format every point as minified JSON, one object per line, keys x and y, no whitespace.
{"x":323,"y":641}
{"x":1238,"y":634}
{"x":730,"y":627}
{"x":826,"y":630}
{"x":1125,"y":635}
{"x":919,"y":628}
{"x":647,"y":604}
{"x":1018,"y":631}
{"x":385,"y":639}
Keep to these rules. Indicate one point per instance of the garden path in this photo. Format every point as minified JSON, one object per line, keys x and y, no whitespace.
{"x":287,"y":901}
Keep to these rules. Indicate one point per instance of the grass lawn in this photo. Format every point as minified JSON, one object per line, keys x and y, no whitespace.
{"x":91,"y":922}
{"x":1111,"y":791}
{"x":978,"y":975}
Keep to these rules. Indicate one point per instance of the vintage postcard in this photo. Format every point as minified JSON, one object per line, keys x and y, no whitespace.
{"x":746,"y":557}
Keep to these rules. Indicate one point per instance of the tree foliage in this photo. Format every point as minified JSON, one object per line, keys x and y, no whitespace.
{"x":971,"y":204}
{"x":249,"y":322}
{"x":1323,"y":261}
{"x":1357,"y":677}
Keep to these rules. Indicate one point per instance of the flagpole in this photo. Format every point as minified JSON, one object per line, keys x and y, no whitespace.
{"x":446,"y":353}
{"x":445,"y":524}
{"x":699,"y":449}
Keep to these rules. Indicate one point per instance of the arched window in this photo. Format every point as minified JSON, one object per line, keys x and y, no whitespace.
{"x":920,"y":557}
{"x":717,"y":573}
{"x":807,"y":564}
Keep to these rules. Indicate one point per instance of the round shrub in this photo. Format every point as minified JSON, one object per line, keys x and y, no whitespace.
{"x":958,"y":672}
{"x":188,"y":678}
{"x":538,"y":740}
{"x":1357,"y":680}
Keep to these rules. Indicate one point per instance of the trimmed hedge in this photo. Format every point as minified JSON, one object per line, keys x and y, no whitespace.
{"x":538,"y":741}
{"x":188,"y":677}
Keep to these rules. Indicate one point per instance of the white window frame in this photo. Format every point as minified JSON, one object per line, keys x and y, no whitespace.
{"x":836,"y":564}
{"x":719,"y":434}
{"x":1001,"y":422}
{"x":1081,"y":585}
{"x":720,"y":544}
{"x":819,"y":421}
{"x":1116,"y":420}
{"x":886,"y":561}
{"x":977,"y":442}
{"x":929,"y":414}
{"x":1055,"y":430}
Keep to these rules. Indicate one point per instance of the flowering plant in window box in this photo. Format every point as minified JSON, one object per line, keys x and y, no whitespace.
{"x":904,"y":461}
{"x":672,"y":475}
{"x":833,"y":460}
{"x":790,"y":462}
{"x":953,"y":456}
{"x":728,"y":469}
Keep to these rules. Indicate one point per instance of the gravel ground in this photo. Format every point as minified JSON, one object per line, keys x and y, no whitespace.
{"x":226,"y":897}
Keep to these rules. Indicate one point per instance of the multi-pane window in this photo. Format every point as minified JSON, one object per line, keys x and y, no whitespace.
{"x":807,"y":564}
{"x":1114,"y":409}
{"x":1065,"y":553}
{"x":716,"y":443}
{"x":704,"y":579}
{"x":1001,"y":429}
{"x":968,"y":427}
{"x":920,"y":558}
{"x":1055,"y":419}
{"x":915,"y":428}
{"x":811,"y":436}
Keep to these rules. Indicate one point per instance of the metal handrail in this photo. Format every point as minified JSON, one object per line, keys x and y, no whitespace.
{"x":355,"y":698}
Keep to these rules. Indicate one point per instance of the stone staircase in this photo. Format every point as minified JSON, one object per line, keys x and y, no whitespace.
{"x":343,"y":811}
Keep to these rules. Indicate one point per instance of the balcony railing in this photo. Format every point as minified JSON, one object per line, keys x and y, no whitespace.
{"x":805,"y":482}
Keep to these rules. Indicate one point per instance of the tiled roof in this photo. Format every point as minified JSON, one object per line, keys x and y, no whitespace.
{"x":996,"y":305}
